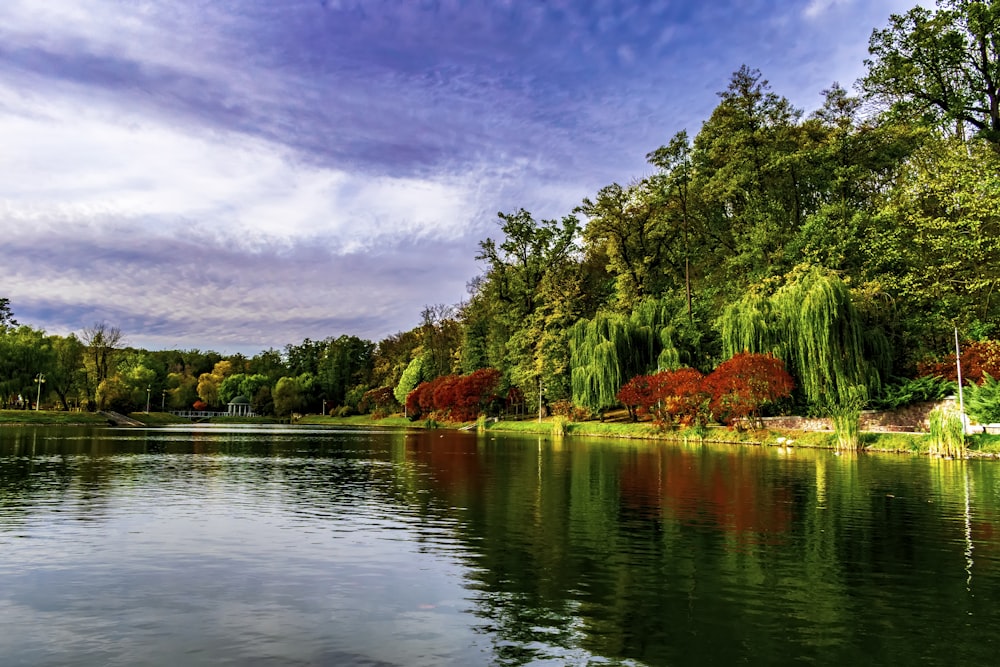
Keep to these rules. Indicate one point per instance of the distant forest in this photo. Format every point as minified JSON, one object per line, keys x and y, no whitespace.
{"x":849,"y":244}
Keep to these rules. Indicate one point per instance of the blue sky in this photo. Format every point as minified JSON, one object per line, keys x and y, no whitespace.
{"x":241,"y":174}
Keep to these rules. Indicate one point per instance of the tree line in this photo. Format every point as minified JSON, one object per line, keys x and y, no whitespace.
{"x":848,"y":243}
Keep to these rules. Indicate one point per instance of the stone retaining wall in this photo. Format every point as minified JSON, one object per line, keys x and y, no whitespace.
{"x":912,"y":418}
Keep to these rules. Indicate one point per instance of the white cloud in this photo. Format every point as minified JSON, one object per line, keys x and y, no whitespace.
{"x":66,"y":164}
{"x":817,"y":8}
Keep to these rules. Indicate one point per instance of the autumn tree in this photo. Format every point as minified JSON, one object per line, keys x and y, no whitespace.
{"x":743,"y":384}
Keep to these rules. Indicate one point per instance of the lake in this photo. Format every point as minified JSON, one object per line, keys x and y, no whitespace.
{"x":309,"y":546}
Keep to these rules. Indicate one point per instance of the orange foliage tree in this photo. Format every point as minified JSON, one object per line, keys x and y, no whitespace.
{"x":670,"y":397}
{"x":978,"y":357}
{"x":742,"y":385}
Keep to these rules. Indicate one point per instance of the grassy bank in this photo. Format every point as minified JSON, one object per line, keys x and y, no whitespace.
{"x":912,"y":443}
{"x":50,"y":417}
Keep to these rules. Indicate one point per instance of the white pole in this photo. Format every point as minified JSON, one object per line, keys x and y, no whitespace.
{"x":539,"y":399}
{"x":961,"y":400}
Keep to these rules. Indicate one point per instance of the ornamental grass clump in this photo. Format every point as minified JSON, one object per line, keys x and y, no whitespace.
{"x":846,"y":418}
{"x":947,"y":433}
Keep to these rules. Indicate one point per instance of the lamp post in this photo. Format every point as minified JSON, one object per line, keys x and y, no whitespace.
{"x":539,"y":399}
{"x":324,"y":408}
{"x":148,"y":390}
{"x":40,"y":380}
{"x":163,"y":401}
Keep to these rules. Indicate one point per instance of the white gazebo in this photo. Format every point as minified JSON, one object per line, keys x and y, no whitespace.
{"x":240,"y":407}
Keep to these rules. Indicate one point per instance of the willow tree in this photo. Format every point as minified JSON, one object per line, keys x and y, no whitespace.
{"x":600,"y":351}
{"x":611,"y":348}
{"x":812,"y":325}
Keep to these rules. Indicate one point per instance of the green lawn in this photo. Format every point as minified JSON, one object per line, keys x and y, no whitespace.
{"x":50,"y":417}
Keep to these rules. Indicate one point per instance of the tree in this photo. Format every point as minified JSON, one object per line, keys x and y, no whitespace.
{"x":345,"y":363}
{"x":626,"y":223}
{"x":289,"y":394}
{"x":943,"y":65}
{"x":182,"y":391}
{"x":412,"y":376}
{"x":744,"y":383}
{"x":675,"y":163}
{"x":209,"y":383}
{"x":934,"y":245}
{"x":811,"y":324}
{"x":6,"y":316}
{"x":66,"y":374}
{"x":750,"y":177}
{"x":102,"y":341}
{"x":24,"y":353}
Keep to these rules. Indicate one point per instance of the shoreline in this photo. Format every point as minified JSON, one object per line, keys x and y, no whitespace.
{"x":981,"y":446}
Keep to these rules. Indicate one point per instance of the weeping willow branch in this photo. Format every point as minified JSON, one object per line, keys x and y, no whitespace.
{"x":612,"y":348}
{"x":811,"y":324}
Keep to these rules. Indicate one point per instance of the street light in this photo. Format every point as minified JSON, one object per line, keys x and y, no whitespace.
{"x":148,"y":389}
{"x":163,"y":402}
{"x":40,"y":380}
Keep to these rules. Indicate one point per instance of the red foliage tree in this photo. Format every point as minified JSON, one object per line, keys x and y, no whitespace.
{"x":638,"y":395}
{"x":668,"y":396}
{"x":682,"y":397}
{"x":978,"y":357}
{"x":740,"y":386}
{"x":377,"y":399}
{"x":473,"y":393}
{"x":460,"y":398}
{"x":200,"y":405}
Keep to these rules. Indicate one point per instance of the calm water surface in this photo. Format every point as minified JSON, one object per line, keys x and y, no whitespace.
{"x":287,"y":546}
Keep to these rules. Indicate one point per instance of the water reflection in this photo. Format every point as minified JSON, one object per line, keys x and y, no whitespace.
{"x":313,"y":546}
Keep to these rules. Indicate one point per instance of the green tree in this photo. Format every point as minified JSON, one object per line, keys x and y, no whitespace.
{"x":290,"y":394}
{"x":811,"y":324}
{"x":750,"y":176}
{"x":934,"y":248}
{"x":67,"y":376}
{"x":24,"y":353}
{"x":412,"y":376}
{"x":6,"y":315}
{"x":102,"y":341}
{"x":941,"y":64}
{"x":626,"y":223}
{"x":346,"y":362}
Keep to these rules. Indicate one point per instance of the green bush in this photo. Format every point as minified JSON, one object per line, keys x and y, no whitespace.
{"x":901,"y":392}
{"x":982,"y":402}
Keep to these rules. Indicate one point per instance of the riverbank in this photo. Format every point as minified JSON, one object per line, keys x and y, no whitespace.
{"x":50,"y":418}
{"x":979,"y":446}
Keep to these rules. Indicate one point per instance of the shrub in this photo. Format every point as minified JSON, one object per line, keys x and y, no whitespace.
{"x":459,"y":398}
{"x":947,"y":433}
{"x":901,"y":393}
{"x":982,"y":402}
{"x":740,"y":386}
{"x":670,"y":397}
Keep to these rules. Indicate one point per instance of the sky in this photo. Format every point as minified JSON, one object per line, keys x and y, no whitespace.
{"x":236,"y":175}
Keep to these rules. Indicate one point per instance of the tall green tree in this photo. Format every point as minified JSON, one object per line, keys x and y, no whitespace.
{"x":67,"y":375}
{"x":750,"y":179}
{"x":935,"y":245}
{"x":942,"y":65}
{"x":6,"y":315}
